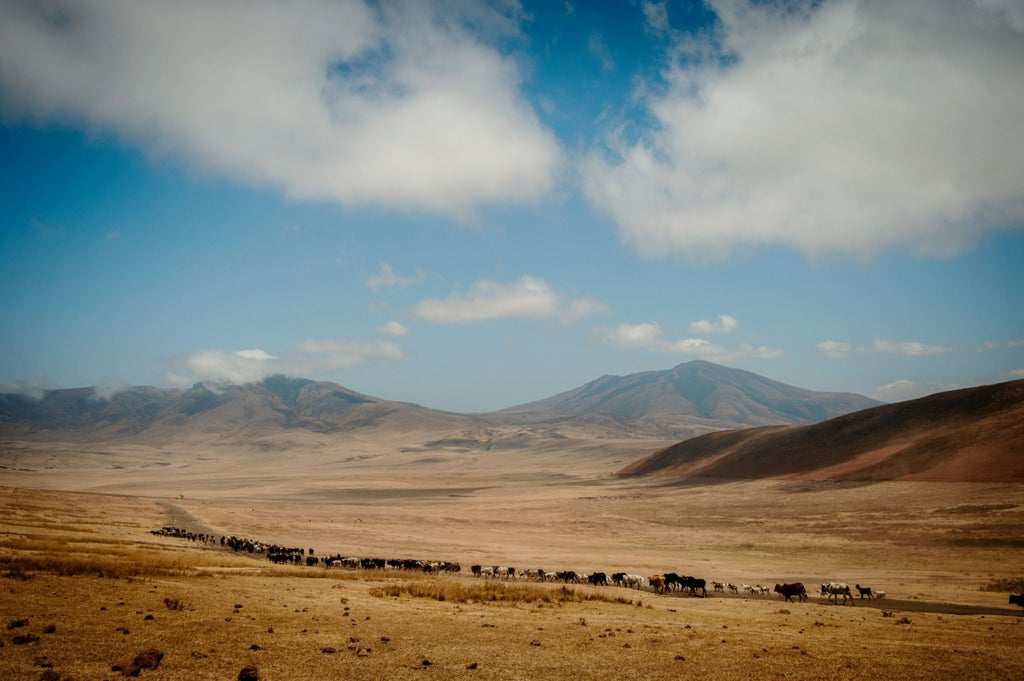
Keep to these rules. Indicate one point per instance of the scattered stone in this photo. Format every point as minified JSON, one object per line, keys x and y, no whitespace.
{"x":22,"y":639}
{"x":17,"y":624}
{"x":51,"y":629}
{"x":680,"y":658}
{"x":384,"y":639}
{"x":148,"y":618}
{"x":255,"y":646}
{"x":534,"y":642}
{"x":49,"y":675}
{"x":363,"y":652}
{"x":43,"y":662}
{"x":270,"y":630}
{"x":199,"y":655}
{"x":248,"y":674}
{"x":328,"y":650}
{"x":472,"y":665}
{"x":426,"y":662}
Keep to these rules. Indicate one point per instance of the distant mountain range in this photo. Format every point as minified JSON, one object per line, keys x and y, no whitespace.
{"x":971,"y":435}
{"x":688,"y":400}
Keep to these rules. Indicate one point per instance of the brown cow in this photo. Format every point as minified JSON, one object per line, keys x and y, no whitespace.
{"x":789,"y":590}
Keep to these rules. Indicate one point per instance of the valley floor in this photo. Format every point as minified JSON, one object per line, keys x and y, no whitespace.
{"x":87,"y":587}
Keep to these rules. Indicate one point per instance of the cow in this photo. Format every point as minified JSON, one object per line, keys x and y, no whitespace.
{"x":865,"y":591}
{"x":633,"y":581}
{"x":534,"y":574}
{"x":657,"y":583}
{"x":1017,"y":600}
{"x":598,"y":579}
{"x":718,"y":586}
{"x":789,"y":590}
{"x":833,"y":590}
{"x":695,"y":584}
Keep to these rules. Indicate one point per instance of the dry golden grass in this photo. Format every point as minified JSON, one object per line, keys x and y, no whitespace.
{"x":211,"y":612}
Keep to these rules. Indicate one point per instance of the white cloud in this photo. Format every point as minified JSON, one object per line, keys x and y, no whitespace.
{"x":851,"y":126}
{"x":307,"y":359}
{"x":905,"y":389}
{"x":394,"y":328}
{"x":1014,"y":374}
{"x":841,"y":349}
{"x":724,"y":324}
{"x":527,"y":297}
{"x":650,"y":336}
{"x":835,"y":349}
{"x":33,"y":388}
{"x":394,"y":103}
{"x":656,"y":16}
{"x":387,"y":278}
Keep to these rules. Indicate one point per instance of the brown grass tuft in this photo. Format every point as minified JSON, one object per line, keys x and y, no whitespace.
{"x":461,"y":591}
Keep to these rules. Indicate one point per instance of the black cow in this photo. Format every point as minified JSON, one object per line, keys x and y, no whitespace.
{"x":1017,"y":600}
{"x":865,"y":591}
{"x":598,"y":579}
{"x":789,"y":590}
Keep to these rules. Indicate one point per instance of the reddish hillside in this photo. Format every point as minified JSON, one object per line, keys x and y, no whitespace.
{"x":970,"y":435}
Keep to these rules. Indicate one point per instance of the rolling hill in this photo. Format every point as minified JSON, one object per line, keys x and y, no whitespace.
{"x":976,"y":434}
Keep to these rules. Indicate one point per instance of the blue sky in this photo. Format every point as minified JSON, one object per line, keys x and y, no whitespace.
{"x":471,"y":205}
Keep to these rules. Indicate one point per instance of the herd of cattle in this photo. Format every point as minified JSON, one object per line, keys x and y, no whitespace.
{"x":667,"y":582}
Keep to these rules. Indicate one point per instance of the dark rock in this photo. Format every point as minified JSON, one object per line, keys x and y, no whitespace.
{"x":17,"y":624}
{"x":148,"y":659}
{"x":24,"y":638}
{"x":248,"y":674}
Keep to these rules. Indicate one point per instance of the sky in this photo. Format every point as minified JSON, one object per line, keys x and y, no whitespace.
{"x":471,"y":205}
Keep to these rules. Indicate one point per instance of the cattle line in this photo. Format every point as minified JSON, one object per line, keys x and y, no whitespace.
{"x":886,"y":604}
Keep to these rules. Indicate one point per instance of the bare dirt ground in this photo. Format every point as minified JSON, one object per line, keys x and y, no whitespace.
{"x":87,"y":588}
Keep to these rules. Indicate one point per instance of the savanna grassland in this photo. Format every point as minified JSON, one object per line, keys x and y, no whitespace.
{"x":89,"y":593}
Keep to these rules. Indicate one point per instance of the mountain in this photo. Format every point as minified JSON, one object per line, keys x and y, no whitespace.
{"x":274,"y":404}
{"x":976,"y":434}
{"x":693,"y":398}
{"x":689,"y":400}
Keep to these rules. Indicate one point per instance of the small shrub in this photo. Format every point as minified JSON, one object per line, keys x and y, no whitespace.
{"x":1009,"y":585}
{"x":457,"y":591}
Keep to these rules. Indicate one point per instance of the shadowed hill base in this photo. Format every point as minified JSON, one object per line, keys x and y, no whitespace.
{"x":972,"y":435}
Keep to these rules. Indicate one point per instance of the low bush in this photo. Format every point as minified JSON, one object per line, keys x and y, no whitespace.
{"x":1008,"y":584}
{"x":462,"y":591}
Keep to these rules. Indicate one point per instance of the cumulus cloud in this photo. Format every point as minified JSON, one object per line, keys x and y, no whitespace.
{"x":387,"y":278}
{"x":398,"y":103}
{"x":905,"y":389}
{"x":33,"y":388}
{"x":883,"y":346}
{"x":849,"y":126}
{"x":527,"y":297}
{"x":724,"y":324}
{"x":308,"y":359}
{"x":394,"y":328}
{"x":651,"y":337}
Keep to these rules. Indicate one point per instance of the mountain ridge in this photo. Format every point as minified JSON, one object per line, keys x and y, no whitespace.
{"x":690,"y":399}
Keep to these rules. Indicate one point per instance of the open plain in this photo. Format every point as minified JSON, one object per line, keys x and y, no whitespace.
{"x":87,"y":588}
